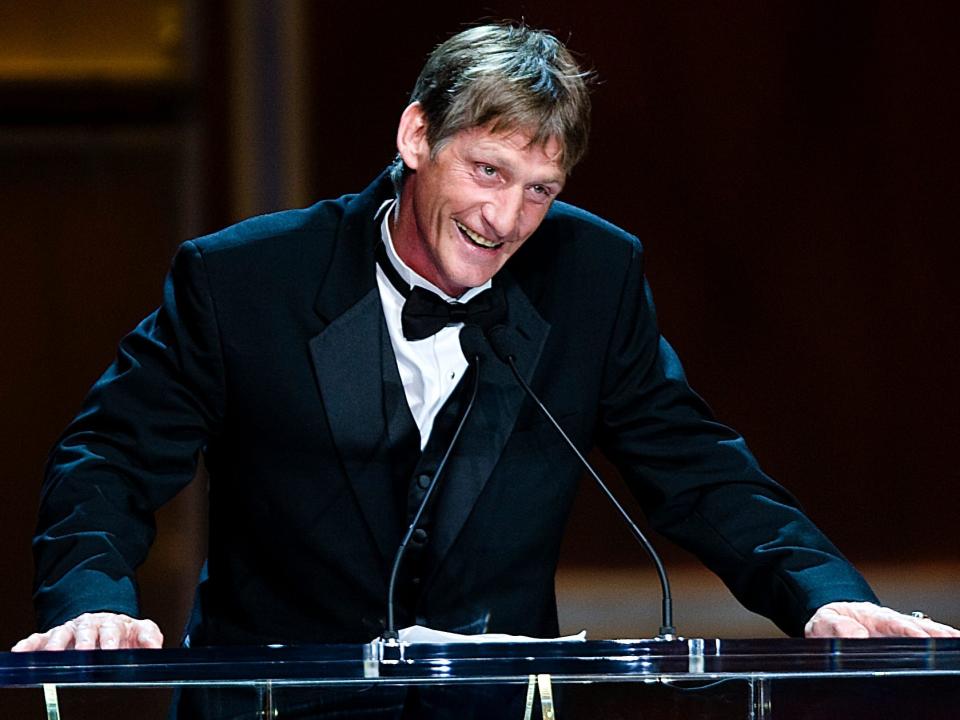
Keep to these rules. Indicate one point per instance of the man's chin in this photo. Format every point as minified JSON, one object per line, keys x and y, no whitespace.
{"x":464,"y":273}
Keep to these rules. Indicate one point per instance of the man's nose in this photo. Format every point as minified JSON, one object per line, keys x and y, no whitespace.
{"x":502,"y":212}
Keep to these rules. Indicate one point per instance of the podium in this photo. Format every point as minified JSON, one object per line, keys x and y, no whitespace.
{"x":595,"y":680}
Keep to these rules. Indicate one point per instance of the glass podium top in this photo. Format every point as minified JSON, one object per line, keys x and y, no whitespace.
{"x":621,"y":660}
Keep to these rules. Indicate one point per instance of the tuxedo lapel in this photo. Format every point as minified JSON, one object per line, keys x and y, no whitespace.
{"x":491,"y":421}
{"x":347,"y":357}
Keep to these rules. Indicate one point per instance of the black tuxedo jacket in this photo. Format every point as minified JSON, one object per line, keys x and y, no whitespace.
{"x":267,"y":355}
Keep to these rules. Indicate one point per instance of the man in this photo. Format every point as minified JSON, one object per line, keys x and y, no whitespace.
{"x":282,"y":352}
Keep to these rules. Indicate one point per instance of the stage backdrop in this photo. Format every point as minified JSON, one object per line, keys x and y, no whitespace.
{"x":790,"y":168}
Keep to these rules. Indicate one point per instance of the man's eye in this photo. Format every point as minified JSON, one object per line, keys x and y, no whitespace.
{"x":541,"y":193}
{"x":487,"y":170}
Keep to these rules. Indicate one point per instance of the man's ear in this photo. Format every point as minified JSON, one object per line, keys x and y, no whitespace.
{"x":412,"y":136}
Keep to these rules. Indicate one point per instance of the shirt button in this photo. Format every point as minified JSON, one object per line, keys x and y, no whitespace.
{"x":452,"y":375}
{"x":420,"y":536}
{"x":423,"y":481}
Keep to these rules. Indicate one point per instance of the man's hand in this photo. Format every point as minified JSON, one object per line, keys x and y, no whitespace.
{"x":865,"y":620}
{"x":90,"y":631}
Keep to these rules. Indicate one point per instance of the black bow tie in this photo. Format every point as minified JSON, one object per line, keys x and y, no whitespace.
{"x":426,"y":313}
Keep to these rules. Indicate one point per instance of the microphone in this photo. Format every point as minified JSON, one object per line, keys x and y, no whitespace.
{"x":499,"y":340}
{"x":472,"y":343}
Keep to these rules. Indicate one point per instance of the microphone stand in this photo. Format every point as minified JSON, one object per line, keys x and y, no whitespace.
{"x":667,"y":630}
{"x":390,"y":635}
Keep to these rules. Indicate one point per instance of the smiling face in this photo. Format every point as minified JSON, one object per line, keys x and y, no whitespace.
{"x":465,"y":210}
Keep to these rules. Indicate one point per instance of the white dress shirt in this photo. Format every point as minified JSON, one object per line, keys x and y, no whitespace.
{"x":430,"y":368}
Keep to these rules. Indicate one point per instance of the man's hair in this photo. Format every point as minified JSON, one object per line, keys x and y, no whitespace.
{"x":504,"y":77}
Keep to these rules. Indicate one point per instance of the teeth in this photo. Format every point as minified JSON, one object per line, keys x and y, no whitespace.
{"x":478,"y":239}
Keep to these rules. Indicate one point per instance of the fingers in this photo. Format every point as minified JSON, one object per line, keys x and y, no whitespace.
{"x":29,"y":644}
{"x":107,"y":631}
{"x":829,"y":623}
{"x":85,"y":633}
{"x":110,"y":633}
{"x":860,"y":619}
{"x":147,"y":634}
{"x":61,"y":637}
{"x":936,"y":629}
{"x":884,"y":622}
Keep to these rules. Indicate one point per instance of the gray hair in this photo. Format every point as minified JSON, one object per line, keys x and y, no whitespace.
{"x":504,"y":77}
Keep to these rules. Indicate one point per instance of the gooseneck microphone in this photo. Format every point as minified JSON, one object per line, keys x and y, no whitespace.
{"x":500,"y":342}
{"x":471,"y":342}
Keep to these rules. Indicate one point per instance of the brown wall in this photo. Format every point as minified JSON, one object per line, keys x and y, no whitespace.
{"x":790,"y":169}
{"x":104,"y":167}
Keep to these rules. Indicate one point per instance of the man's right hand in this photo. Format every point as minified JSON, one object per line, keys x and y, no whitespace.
{"x":92,"y":631}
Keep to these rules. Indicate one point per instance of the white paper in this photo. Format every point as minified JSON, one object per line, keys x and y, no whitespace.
{"x":421,"y":634}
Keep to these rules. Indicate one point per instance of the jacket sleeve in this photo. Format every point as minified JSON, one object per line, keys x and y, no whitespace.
{"x":700,"y":485}
{"x":132,"y":447}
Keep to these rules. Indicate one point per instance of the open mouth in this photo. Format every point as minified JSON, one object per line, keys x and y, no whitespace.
{"x":475,"y":239}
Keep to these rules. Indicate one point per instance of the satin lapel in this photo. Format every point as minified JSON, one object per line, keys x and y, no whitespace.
{"x":347,"y":357}
{"x":488,"y":428}
{"x":348,"y":365}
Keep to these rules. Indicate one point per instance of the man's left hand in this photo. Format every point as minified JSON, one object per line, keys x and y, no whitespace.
{"x":866,"y":620}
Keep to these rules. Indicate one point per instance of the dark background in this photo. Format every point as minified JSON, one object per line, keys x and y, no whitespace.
{"x":790,"y":168}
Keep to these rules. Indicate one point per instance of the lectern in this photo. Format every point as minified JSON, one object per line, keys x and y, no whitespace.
{"x":595,"y":680}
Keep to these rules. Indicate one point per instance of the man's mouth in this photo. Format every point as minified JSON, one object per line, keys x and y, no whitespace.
{"x":476,"y":239}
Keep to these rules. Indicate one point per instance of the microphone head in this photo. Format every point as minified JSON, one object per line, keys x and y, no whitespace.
{"x":472,"y":342}
{"x":501,"y":342}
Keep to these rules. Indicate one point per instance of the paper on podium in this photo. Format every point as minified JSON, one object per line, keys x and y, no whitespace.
{"x":421,"y":634}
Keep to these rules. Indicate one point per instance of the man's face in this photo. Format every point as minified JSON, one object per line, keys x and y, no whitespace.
{"x":464,"y":212}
